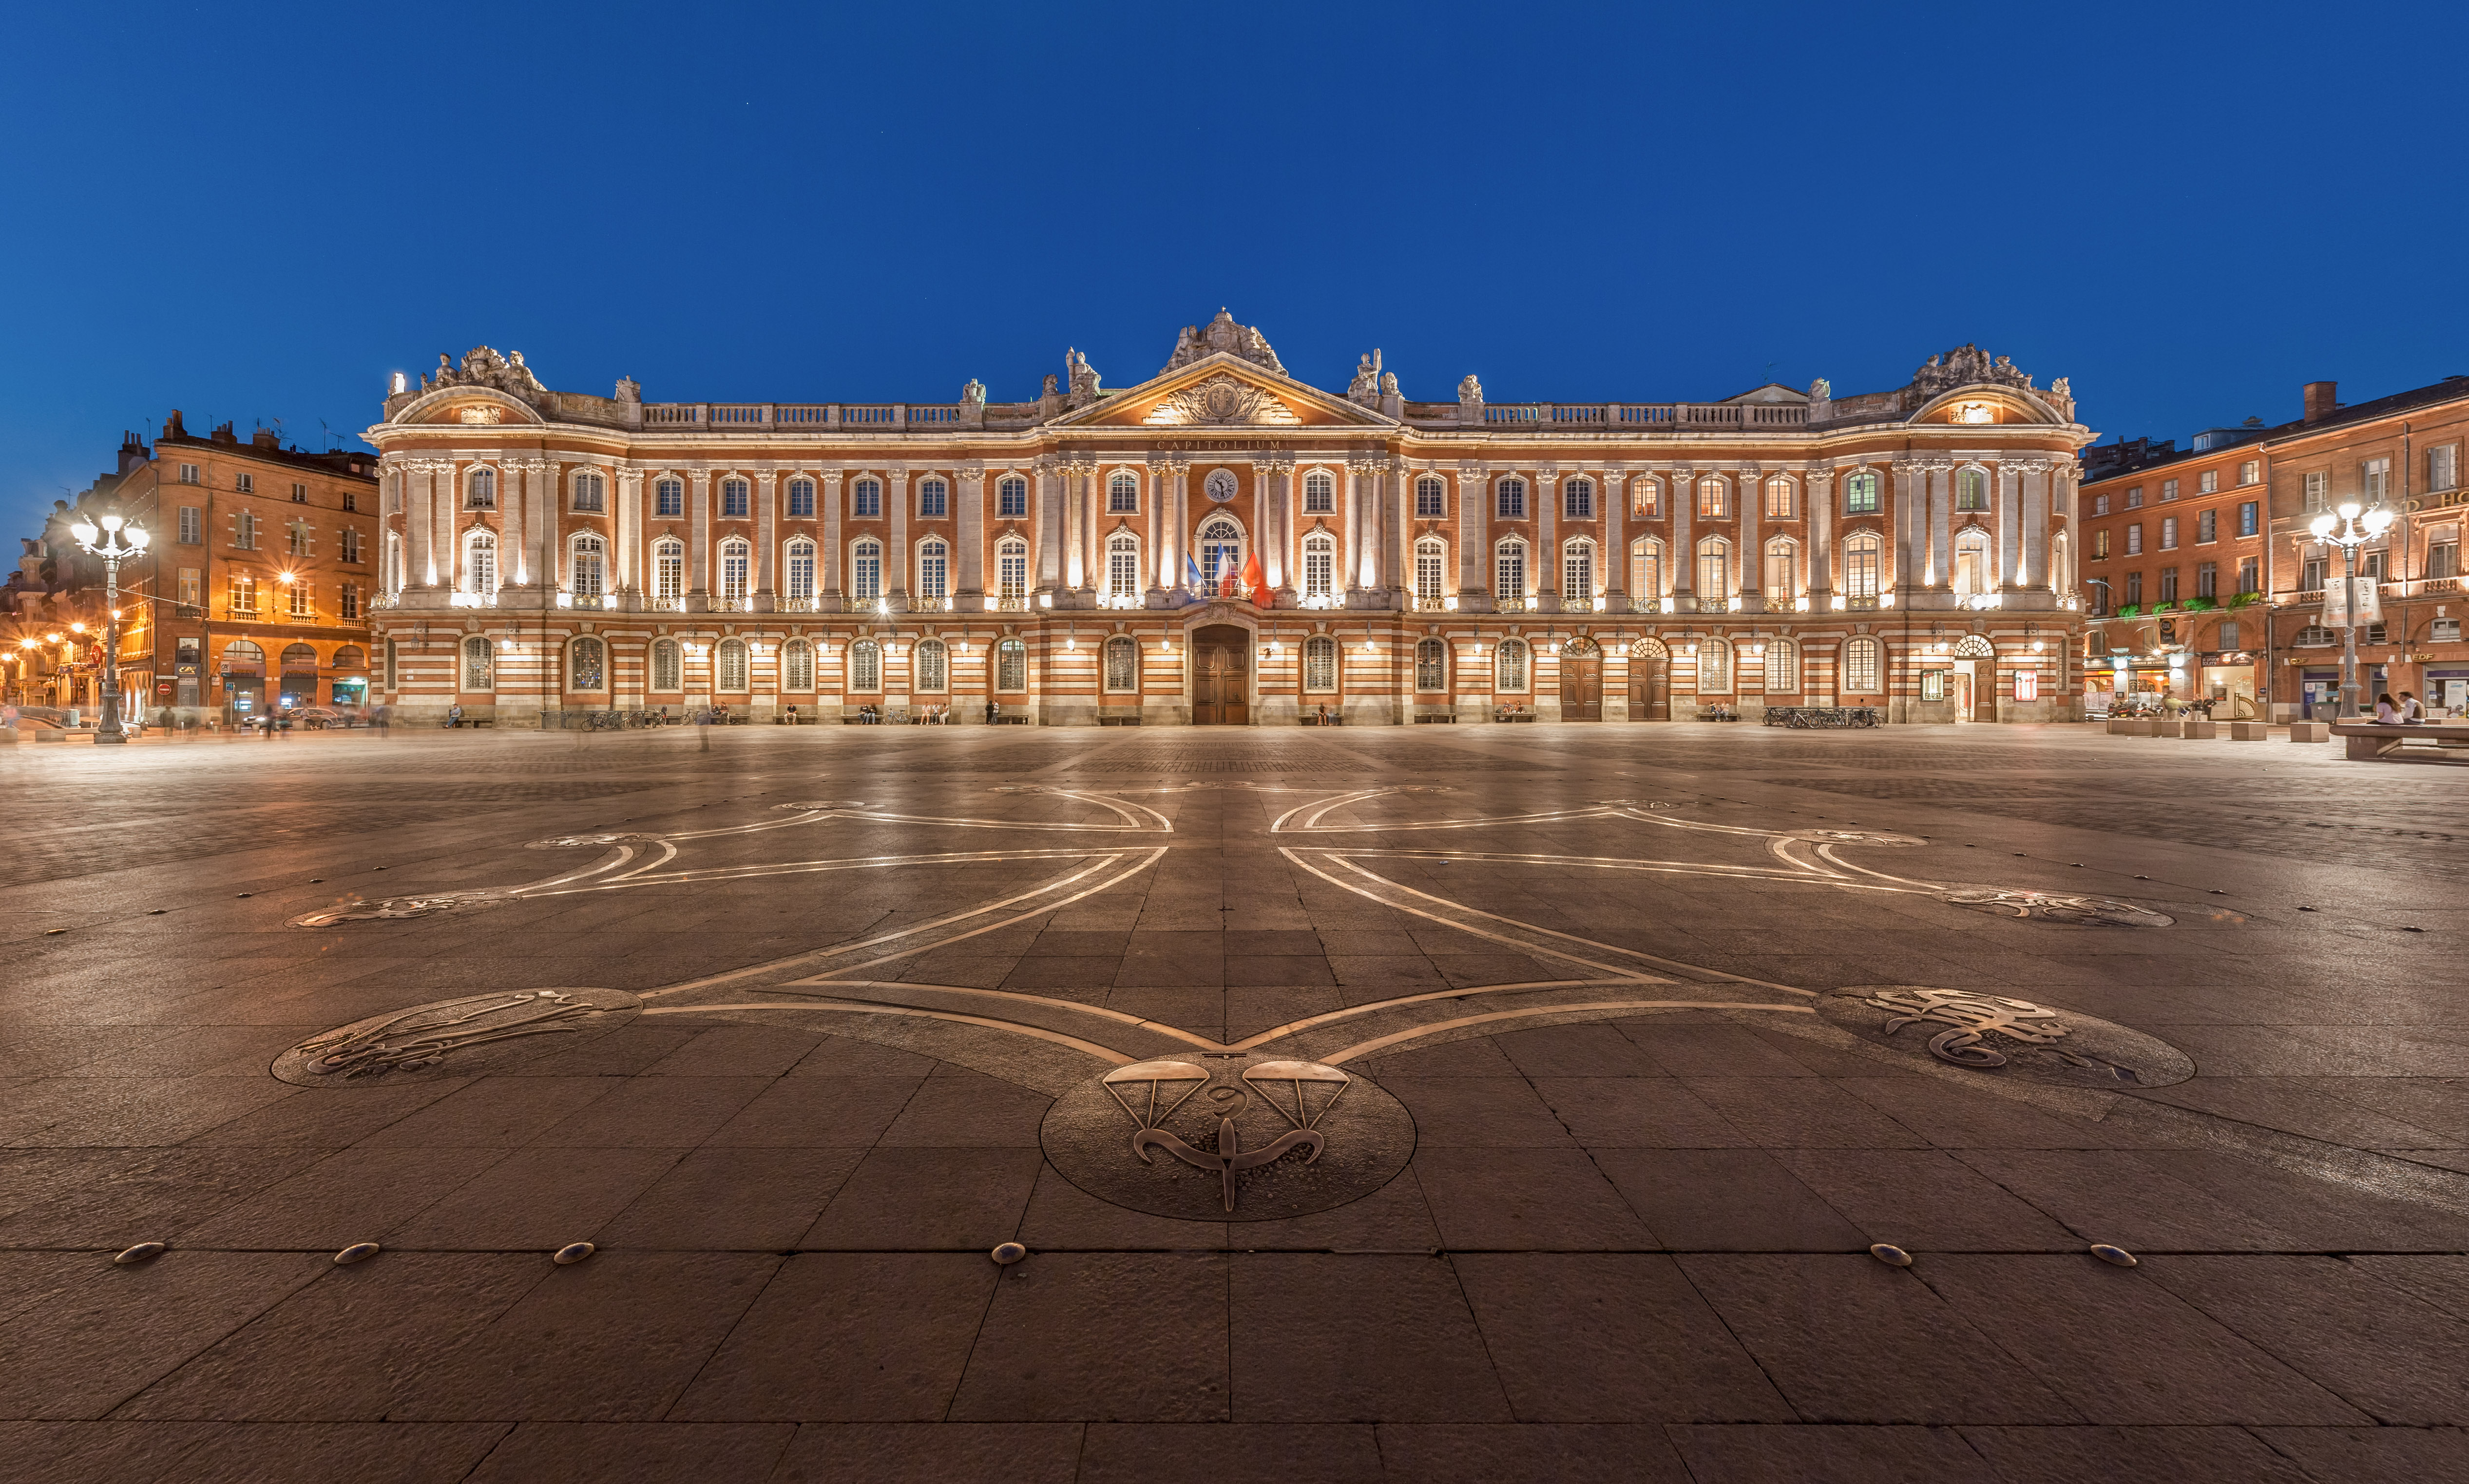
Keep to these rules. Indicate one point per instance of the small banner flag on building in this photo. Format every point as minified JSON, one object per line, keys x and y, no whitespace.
{"x":1255,"y":582}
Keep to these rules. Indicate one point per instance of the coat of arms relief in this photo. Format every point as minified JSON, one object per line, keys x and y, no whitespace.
{"x":1222,"y":400}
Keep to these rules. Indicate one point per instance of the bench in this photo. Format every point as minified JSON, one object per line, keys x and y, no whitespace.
{"x":2422,"y":742}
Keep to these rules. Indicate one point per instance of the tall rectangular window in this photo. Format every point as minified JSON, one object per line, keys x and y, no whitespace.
{"x":193,"y":581}
{"x":2134,"y":538}
{"x":2310,"y":574}
{"x":243,"y":592}
{"x":2249,"y":575}
{"x":2135,"y":498}
{"x":2100,"y":505}
{"x":1778,"y":499}
{"x":2229,"y":635}
{"x":299,"y":495}
{"x":245,"y":484}
{"x":1123,"y":495}
{"x":669,"y":498}
{"x":1710,"y":499}
{"x":2168,"y":584}
{"x":187,"y":473}
{"x":934,"y":499}
{"x":2208,"y":526}
{"x":591,"y":493}
{"x":2250,"y":471}
{"x":2443,"y":466}
{"x":1578,"y":500}
{"x":1860,"y":495}
{"x":1509,"y":573}
{"x":2100,"y":544}
{"x":801,"y":499}
{"x":300,"y":536}
{"x":1513,"y":499}
{"x":736,"y":499}
{"x":193,"y":524}
{"x":1431,"y":499}
{"x":2134,"y":588}
{"x":350,"y":499}
{"x":2318,"y":485}
{"x":1320,"y":495}
{"x":352,"y":546}
{"x":2374,"y":479}
{"x":2168,"y":491}
{"x":2208,"y":580}
{"x":866,"y":501}
{"x":303,"y":605}
{"x":2443,"y":560}
{"x":2250,"y":516}
{"x":2207,"y":481}
{"x":2168,"y":533}
{"x":1012,"y":498}
{"x":245,"y":529}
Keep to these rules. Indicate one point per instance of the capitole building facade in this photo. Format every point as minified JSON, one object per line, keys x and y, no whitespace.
{"x":1224,"y":545}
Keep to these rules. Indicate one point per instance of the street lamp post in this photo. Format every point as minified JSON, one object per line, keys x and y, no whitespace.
{"x":115,"y":542}
{"x":2350,"y":528}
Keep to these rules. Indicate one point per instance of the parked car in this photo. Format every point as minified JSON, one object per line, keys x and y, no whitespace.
{"x":318,"y":717}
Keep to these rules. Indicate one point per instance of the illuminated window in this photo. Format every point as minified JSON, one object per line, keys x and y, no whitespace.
{"x":1779,"y":492}
{"x":1710,"y":499}
{"x":587,"y":664}
{"x":668,"y":665}
{"x":1122,"y":496}
{"x":1646,"y":498}
{"x":736,"y":561}
{"x":1320,"y":495}
{"x":1862,"y":557}
{"x":1782,"y":570}
{"x":1011,"y":666}
{"x":1714,"y":569}
{"x":1860,"y":495}
{"x":1782,"y":670}
{"x":480,"y":561}
{"x":1509,"y":572}
{"x":798,"y":665}
{"x":730,"y":666}
{"x":1860,"y":666}
{"x":865,"y":666}
{"x":303,"y":600}
{"x":1508,"y":665}
{"x":1122,"y":664}
{"x":1319,"y":663}
{"x":1645,"y":570}
{"x":1431,"y":664}
{"x":1578,"y":575}
{"x":1430,"y":559}
{"x":477,"y":667}
{"x":931,"y":666}
{"x":1011,"y":568}
{"x":1320,"y":565}
{"x":1122,"y":567}
{"x":1714,"y":666}
{"x":668,"y":569}
{"x":797,"y":570}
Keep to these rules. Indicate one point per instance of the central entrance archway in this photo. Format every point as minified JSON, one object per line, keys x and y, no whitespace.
{"x":1582,"y":680}
{"x":1221,"y":676}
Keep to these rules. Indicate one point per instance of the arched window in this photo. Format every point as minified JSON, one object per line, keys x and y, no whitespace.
{"x":1646,"y":573}
{"x":587,"y":665}
{"x":934,"y":499}
{"x":1511,"y":497}
{"x":728,"y":665}
{"x":478,"y":668}
{"x":1319,"y":663}
{"x":1431,"y":498}
{"x":1320,"y":567}
{"x":1577,"y":576}
{"x":1011,"y":666}
{"x":801,"y":499}
{"x":1711,"y":502}
{"x":1782,"y":578}
{"x":587,"y":566}
{"x":1860,"y":667}
{"x":1221,"y":552}
{"x":1012,"y":498}
{"x":669,"y":498}
{"x":1124,"y":568}
{"x":480,"y":490}
{"x":1123,"y":495}
{"x":668,"y":570}
{"x":796,"y":666}
{"x":736,"y":561}
{"x":1578,"y":500}
{"x":1972,"y":488}
{"x":865,"y":570}
{"x":865,"y":666}
{"x":668,"y":665}
{"x":865,"y":499}
{"x":1508,"y":665}
{"x":349,"y":657}
{"x":1320,"y":493}
{"x":934,"y":571}
{"x":930,"y":667}
{"x":1011,"y":570}
{"x":1860,"y":495}
{"x":1972,"y":561}
{"x":1713,"y":668}
{"x":1646,"y":498}
{"x":1714,"y":570}
{"x":1509,"y":572}
{"x":797,"y":570}
{"x":1431,"y":562}
{"x":736,"y":499}
{"x":1431,"y":664}
{"x":480,"y":561}
{"x":1122,"y":664}
{"x":591,"y":492}
{"x":299,"y":659}
{"x":1862,"y":563}
{"x":1779,"y":498}
{"x":1782,"y":667}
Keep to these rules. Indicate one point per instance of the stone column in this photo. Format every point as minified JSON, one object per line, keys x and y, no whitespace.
{"x":1753,"y":511}
{"x":1910,"y":526}
{"x":1474,"y":538}
{"x":828,"y":580}
{"x":1547,"y":537}
{"x":1275,"y":475}
{"x":1819,"y":491}
{"x":2033,"y":573}
{"x":766,"y":538}
{"x":515,"y":567}
{"x":2010,"y":517}
{"x":1397,"y":514}
{"x":1046,"y":534}
{"x":419,"y":526}
{"x":1350,"y":537}
{"x":1683,"y":485}
{"x":970,"y":522}
{"x":699,"y":543}
{"x":627,"y":488}
{"x":896,"y":554}
{"x":1941,"y":547}
{"x":1615,"y":497}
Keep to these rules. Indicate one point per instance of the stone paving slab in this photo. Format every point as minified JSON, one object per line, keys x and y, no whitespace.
{"x":1629,"y":1241}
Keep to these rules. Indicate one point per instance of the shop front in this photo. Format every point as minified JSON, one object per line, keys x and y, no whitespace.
{"x":350,"y":683}
{"x":299,"y":676}
{"x":2227,"y":677}
{"x":243,"y":672}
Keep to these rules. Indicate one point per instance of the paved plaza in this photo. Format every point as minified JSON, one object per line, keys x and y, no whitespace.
{"x":1676,"y":1102}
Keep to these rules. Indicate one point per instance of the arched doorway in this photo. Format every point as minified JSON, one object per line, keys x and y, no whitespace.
{"x":1582,"y":680}
{"x":1967,"y":686}
{"x":1221,"y":676}
{"x":244,"y":676}
{"x":1649,"y":681}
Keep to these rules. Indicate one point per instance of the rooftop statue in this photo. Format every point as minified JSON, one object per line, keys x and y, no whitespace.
{"x":1222,"y":336}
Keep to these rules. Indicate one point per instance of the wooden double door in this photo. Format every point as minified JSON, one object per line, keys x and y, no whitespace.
{"x":1649,"y":689}
{"x":1221,"y":676}
{"x":1582,"y":687}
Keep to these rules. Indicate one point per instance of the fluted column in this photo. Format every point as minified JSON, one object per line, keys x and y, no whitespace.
{"x":1546,"y":580}
{"x":1175,"y":521}
{"x":1940,"y":506}
{"x":1397,"y":517}
{"x":515,"y":567}
{"x":698,"y":537}
{"x":419,"y":526}
{"x":1819,"y":491}
{"x":1615,"y":497}
{"x":1046,"y":532}
{"x":1753,"y":540}
{"x":628,"y":522}
{"x":1911,"y":525}
{"x":1276,"y":475}
{"x":1474,"y":538}
{"x":2033,"y":573}
{"x":1684,"y":554}
{"x":2010,"y":516}
{"x":970,"y":523}
{"x":829,"y":591}
{"x":895,"y":560}
{"x":767,"y":527}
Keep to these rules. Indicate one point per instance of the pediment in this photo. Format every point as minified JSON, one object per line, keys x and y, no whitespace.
{"x":467,"y":406}
{"x":1223,"y":391}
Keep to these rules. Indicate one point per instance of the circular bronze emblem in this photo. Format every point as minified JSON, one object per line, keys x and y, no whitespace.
{"x":2005,"y":1037}
{"x":1220,"y":1139}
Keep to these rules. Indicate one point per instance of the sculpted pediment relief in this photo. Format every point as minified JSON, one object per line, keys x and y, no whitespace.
{"x":1221,"y":400}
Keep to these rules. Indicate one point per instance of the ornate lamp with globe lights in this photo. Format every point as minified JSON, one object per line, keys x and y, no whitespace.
{"x":2349,"y":527}
{"x":115,"y":541}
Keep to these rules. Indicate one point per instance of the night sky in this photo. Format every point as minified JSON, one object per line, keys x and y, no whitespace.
{"x":256,"y":213}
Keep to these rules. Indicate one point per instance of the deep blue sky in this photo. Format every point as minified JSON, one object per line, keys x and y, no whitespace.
{"x":253,"y":213}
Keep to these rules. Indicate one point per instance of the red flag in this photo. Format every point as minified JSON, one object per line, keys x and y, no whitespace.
{"x":1255,"y":582}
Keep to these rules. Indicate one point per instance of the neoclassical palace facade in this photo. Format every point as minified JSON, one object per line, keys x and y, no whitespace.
{"x":1225,"y":544}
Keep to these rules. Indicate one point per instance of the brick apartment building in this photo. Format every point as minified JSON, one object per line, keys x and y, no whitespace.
{"x":255,"y":589}
{"x":2205,"y":581}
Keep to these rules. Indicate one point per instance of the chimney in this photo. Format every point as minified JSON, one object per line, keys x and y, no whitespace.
{"x":265,"y":438}
{"x":172,"y":427}
{"x":2323,"y":399}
